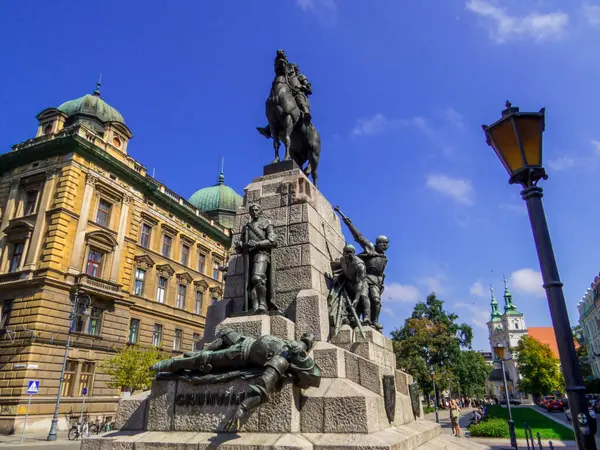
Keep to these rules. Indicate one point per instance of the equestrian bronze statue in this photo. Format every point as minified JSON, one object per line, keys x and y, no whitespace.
{"x":290,"y":119}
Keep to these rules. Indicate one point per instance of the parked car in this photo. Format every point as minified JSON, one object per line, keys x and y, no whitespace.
{"x":555,"y":405}
{"x":513,"y":401}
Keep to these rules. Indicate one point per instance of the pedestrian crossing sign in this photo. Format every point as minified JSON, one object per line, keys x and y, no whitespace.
{"x":33,"y":387}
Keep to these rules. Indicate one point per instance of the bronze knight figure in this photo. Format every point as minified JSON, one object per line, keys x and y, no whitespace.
{"x":375,"y":261}
{"x":258,"y":238}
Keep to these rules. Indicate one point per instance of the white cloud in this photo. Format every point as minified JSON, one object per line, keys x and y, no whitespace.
{"x":373,"y":125}
{"x":596,"y":145}
{"x":404,"y":293}
{"x":472,"y":314}
{"x":592,"y":14}
{"x":434,"y":284}
{"x":540,"y":27}
{"x":389,"y":311}
{"x":527,"y":281}
{"x":477,"y":289}
{"x":458,"y":189}
{"x":454,"y":117}
{"x":561,"y":164}
{"x":325,"y":11}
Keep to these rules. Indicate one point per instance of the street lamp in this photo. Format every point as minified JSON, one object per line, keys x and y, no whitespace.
{"x":499,"y":351}
{"x":435,"y":398}
{"x":517,"y":140}
{"x":80,"y":302}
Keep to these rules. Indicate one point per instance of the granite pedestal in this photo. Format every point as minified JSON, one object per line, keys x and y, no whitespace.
{"x":346,"y":411}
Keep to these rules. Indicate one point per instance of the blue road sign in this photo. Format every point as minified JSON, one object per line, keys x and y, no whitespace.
{"x":33,"y":387}
{"x":84,"y":391}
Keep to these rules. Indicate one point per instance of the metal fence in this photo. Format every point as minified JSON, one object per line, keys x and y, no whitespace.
{"x":531,"y":442}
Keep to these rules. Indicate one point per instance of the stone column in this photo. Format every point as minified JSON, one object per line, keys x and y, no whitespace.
{"x":40,"y":220}
{"x":114,"y":273}
{"x":9,"y":209}
{"x":75,"y":264}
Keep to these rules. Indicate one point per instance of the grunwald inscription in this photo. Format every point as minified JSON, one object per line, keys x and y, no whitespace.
{"x":212,"y":398}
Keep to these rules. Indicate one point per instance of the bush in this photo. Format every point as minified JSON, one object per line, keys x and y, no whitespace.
{"x":490,"y":428}
{"x":428,"y":409}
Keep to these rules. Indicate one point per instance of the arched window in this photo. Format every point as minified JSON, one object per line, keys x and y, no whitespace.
{"x":516,"y":325}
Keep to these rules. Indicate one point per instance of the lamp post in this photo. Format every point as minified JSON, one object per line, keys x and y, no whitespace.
{"x":517,"y":140}
{"x":79,"y":301}
{"x":499,"y":350}
{"x":435,"y":398}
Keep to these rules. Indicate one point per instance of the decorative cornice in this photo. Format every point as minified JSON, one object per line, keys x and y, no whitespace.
{"x":144,"y":262}
{"x":90,"y":179}
{"x":201,"y":285}
{"x":169,"y":229}
{"x":14,"y":183}
{"x":165,"y":270}
{"x":149,"y":218}
{"x":184,"y":278}
{"x":216,"y":290}
{"x":52,"y":173}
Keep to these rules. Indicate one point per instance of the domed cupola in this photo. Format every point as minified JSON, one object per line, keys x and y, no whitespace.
{"x":92,"y":112}
{"x":218,"y":201}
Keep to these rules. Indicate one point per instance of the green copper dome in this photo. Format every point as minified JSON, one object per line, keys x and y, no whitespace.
{"x":219,"y":201}
{"x":92,"y":105}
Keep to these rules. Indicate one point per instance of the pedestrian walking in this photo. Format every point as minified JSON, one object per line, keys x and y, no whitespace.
{"x":454,"y":418}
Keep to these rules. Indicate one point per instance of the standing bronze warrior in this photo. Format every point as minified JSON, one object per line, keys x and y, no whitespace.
{"x":375,"y":262}
{"x":258,"y":238}
{"x":348,"y":297}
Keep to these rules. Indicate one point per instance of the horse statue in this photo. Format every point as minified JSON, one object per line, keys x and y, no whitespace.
{"x":289,"y":118}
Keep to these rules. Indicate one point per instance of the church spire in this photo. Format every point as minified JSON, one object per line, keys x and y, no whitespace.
{"x":222,"y":172}
{"x":509,"y":306}
{"x":494,"y":304}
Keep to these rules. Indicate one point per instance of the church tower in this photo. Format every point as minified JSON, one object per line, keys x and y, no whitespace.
{"x":513,"y":321}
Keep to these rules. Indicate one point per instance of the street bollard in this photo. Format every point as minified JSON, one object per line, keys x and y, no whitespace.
{"x":551,"y":445}
{"x":539,"y":441}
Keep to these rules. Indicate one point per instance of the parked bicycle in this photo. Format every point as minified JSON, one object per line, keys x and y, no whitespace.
{"x":82,"y":429}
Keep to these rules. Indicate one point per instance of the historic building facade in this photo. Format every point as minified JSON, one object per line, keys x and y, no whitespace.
{"x":589,"y":319}
{"x":77,"y":213}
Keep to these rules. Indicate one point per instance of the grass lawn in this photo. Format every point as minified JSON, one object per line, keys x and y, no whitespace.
{"x":548,"y":428}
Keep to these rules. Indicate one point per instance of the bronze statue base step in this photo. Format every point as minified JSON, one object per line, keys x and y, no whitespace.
{"x":281,"y":166}
{"x":254,"y":313}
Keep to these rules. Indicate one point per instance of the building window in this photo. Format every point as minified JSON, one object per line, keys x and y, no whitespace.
{"x":17,"y":255}
{"x":201,"y":263}
{"x":216,"y":271}
{"x":516,"y":325}
{"x":88,"y":323}
{"x":94,"y":263}
{"x":177,"y":340}
{"x":103,"y":213}
{"x":162,"y":289}
{"x":138,"y":288}
{"x":181,"y":296}
{"x":198,"y":304}
{"x":5,"y":313}
{"x":145,"y":236}
{"x":134,"y":331}
{"x":214,"y":300}
{"x":30,"y":202}
{"x":70,"y":371}
{"x":195,"y":340}
{"x":166,"y":245}
{"x":85,"y":379}
{"x":185,"y":254}
{"x":157,"y":335}
{"x":95,"y":322}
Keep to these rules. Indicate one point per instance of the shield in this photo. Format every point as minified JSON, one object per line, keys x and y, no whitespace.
{"x":415,"y":401}
{"x":389,"y":396}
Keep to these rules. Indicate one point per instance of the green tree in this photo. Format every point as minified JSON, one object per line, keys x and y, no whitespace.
{"x":471,"y":373}
{"x":130,"y":367}
{"x":431,"y":337}
{"x":538,"y":367}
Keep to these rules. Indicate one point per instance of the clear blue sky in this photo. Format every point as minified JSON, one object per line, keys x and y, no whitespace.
{"x":400,"y":92}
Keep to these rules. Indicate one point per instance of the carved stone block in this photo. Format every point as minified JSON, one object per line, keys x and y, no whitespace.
{"x":312,"y":314}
